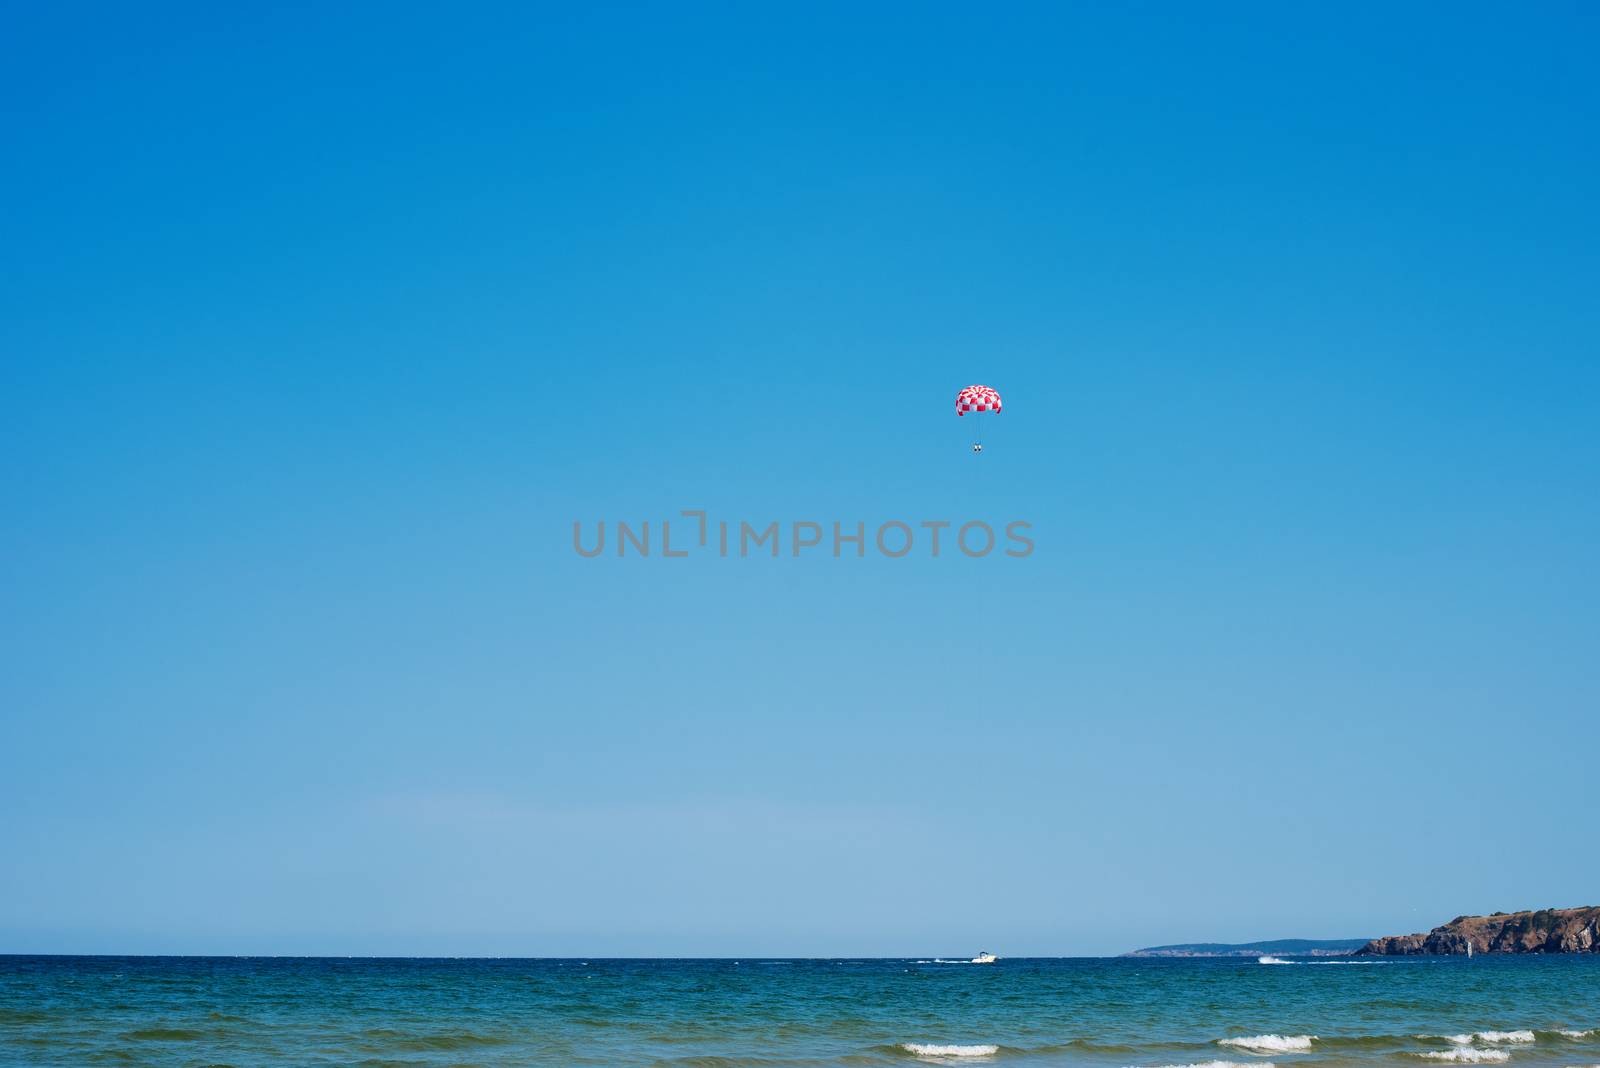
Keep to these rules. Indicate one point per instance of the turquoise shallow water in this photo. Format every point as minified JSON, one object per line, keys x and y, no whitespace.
{"x":1402,"y":1013}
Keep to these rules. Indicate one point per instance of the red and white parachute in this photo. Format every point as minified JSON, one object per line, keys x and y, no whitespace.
{"x":977,"y":399}
{"x":984,"y":404}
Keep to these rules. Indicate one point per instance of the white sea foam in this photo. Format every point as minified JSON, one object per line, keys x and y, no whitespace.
{"x":1275,"y":960}
{"x":933,"y":1049}
{"x":1579,"y":1034}
{"x":1222,"y":1064}
{"x":1467,"y":1055}
{"x":1491,"y":1037}
{"x":1270,"y":1043}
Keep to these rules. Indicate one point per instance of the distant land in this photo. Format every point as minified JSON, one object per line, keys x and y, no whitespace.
{"x":1541,"y":931}
{"x":1294,"y":947}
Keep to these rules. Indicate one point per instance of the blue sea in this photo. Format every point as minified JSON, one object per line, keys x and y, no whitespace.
{"x":1398,"y":1012}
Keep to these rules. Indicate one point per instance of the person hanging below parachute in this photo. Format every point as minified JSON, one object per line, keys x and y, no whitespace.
{"x":984,"y":404}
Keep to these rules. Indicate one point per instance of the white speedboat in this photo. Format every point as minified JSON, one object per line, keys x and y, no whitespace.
{"x":984,"y":957}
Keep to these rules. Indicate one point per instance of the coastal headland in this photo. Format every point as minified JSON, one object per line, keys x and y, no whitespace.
{"x":1539,"y":931}
{"x":1574,"y":930}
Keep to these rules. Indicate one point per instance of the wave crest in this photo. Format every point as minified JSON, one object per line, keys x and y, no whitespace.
{"x":1270,"y":1043}
{"x":1221,"y":1064}
{"x":934,"y":1049}
{"x":1467,"y":1055}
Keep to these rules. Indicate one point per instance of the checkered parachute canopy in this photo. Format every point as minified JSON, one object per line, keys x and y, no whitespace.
{"x":977,"y":399}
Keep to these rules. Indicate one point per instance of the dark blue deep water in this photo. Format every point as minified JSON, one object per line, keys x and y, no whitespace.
{"x":1405,"y":1013}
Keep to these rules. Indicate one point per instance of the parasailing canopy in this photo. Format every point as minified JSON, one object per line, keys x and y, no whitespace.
{"x":984,"y":403}
{"x":977,"y":399}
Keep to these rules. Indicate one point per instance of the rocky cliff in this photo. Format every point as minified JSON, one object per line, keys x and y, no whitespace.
{"x":1544,"y":931}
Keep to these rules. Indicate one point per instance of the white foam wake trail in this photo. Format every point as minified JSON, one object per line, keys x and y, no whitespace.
{"x":1275,"y":960}
{"x":932,"y":1049}
{"x":1467,"y":1055}
{"x":1270,"y":1043}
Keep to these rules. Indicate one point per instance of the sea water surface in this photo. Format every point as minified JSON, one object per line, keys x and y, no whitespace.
{"x":1522,"y":1012}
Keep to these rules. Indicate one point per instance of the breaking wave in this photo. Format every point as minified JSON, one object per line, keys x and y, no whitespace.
{"x":1221,"y":1064}
{"x":933,"y":1049}
{"x":1270,"y":1043}
{"x":1467,"y":1055}
{"x":1491,"y":1037}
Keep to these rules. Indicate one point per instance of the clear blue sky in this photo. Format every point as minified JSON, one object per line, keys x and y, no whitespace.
{"x":320,"y":329}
